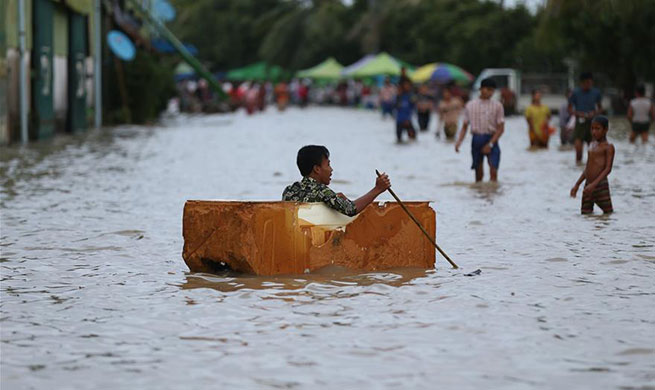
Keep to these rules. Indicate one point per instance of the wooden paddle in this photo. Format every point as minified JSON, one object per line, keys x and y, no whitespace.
{"x":400,"y":202}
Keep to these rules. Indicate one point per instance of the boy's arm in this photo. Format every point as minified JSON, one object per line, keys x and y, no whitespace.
{"x":381,"y":185}
{"x":599,"y":107}
{"x":652,"y":111}
{"x":336,"y":202}
{"x":630,"y":113}
{"x":609,"y":161}
{"x":462,"y":134}
{"x":500,"y":127}
{"x":574,"y":190}
{"x":527,"y":118}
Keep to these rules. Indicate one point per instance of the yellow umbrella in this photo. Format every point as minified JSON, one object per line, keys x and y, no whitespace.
{"x":423,"y":73}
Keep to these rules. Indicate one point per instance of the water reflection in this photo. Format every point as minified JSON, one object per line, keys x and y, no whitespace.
{"x":95,"y":293}
{"x":328,"y":276}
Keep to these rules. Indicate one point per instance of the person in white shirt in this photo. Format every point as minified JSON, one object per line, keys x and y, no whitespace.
{"x":487,"y":121}
{"x":640,"y":113}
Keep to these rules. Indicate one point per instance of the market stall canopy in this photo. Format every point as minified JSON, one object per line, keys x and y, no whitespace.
{"x":382,"y":65}
{"x":329,"y":69}
{"x":259,"y":71}
{"x":347,"y":70}
{"x":441,"y":72}
{"x":184,"y":71}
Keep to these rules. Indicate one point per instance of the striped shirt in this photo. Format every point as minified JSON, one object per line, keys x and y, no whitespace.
{"x":484,"y":115}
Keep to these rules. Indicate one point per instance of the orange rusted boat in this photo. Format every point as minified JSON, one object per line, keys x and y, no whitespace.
{"x":270,"y":238}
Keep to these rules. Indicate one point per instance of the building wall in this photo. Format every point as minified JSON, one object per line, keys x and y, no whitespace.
{"x":9,"y":62}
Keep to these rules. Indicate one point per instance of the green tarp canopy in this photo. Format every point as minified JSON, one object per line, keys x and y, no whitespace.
{"x":329,"y":69}
{"x":259,"y":71}
{"x":382,"y":65}
{"x":184,"y":68}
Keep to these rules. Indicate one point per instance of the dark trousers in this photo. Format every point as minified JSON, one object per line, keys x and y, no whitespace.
{"x":406,"y":125}
{"x":423,"y":120}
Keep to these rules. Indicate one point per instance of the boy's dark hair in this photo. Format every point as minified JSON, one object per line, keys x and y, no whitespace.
{"x":534,"y":91}
{"x":488,"y":83}
{"x":311,"y":155}
{"x":586,"y":76}
{"x":641,"y":89}
{"x":601,"y":120}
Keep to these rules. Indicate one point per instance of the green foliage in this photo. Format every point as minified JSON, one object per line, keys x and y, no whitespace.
{"x":610,"y":36}
{"x":148,"y":85}
{"x":615,"y":37}
{"x":227,"y":33}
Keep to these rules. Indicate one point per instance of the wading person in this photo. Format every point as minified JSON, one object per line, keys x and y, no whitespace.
{"x":387,"y":97}
{"x":487,"y":121}
{"x":404,"y":109}
{"x":314,"y":165}
{"x":565,"y":129}
{"x":449,"y":109}
{"x":640,"y":113}
{"x":538,"y":115}
{"x":584,"y":104}
{"x":599,"y":166}
{"x":424,"y":107}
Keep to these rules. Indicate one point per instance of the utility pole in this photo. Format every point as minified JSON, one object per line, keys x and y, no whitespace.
{"x":22,"y":73}
{"x":97,"y":72}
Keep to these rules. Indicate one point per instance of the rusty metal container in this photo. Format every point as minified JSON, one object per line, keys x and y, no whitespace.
{"x":270,"y":238}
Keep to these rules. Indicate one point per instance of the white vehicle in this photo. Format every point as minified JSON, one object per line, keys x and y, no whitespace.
{"x":512,"y":79}
{"x":504,"y":77}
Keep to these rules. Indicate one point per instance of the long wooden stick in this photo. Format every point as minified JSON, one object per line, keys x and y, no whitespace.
{"x":400,"y":202}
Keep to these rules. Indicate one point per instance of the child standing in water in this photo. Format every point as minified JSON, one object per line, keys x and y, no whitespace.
{"x":640,"y":113}
{"x":538,"y":115}
{"x":424,"y":107}
{"x":599,"y":166}
{"x":449,"y":108}
{"x":405,"y":106}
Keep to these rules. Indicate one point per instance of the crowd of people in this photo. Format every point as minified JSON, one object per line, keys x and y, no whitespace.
{"x":580,"y":118}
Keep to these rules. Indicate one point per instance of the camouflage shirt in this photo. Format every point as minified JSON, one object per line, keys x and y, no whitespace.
{"x":309,"y":190}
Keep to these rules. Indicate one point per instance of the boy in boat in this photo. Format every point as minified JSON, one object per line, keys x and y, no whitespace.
{"x":314,"y":165}
{"x":487,"y":121}
{"x":599,"y":165}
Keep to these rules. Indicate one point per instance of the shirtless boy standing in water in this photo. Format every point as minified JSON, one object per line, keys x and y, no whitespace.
{"x":599,"y":166}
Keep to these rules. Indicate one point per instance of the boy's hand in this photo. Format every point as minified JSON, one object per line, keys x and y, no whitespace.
{"x":574,"y":191}
{"x":486,"y":149}
{"x":342,"y":196}
{"x":457,"y":146}
{"x":589,"y":189}
{"x":382,"y":183}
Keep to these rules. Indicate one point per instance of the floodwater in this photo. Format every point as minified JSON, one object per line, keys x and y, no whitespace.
{"x":95,"y":293}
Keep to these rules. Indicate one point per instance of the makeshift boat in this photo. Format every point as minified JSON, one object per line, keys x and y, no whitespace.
{"x":270,"y":238}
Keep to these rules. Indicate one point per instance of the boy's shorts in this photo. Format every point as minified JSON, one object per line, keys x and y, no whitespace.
{"x":478,"y":142}
{"x":640,"y":127}
{"x":582,"y":130}
{"x":600,"y":196}
{"x":450,"y":129}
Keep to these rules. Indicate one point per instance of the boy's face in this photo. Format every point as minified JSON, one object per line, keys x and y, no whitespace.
{"x":323,"y":172}
{"x":486,"y":92}
{"x":598,"y":132}
{"x":587,"y":84}
{"x":537,"y":96}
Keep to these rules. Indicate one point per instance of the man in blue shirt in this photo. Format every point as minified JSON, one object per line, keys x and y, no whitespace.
{"x":404,"y":108}
{"x":584,"y":103}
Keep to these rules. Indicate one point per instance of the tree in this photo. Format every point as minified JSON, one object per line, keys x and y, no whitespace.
{"x":609,"y":36}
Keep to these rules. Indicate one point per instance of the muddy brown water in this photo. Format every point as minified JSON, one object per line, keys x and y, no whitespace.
{"x":95,"y":294}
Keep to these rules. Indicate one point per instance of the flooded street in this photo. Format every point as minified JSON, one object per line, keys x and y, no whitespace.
{"x":95,"y":293}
